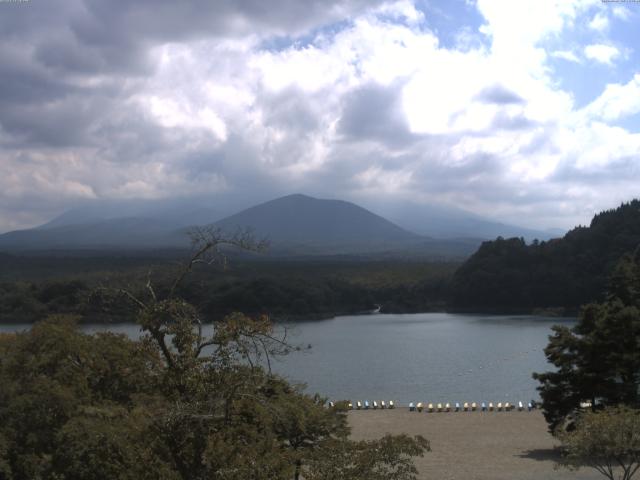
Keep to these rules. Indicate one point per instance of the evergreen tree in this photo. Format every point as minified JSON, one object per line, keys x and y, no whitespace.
{"x":598,"y":360}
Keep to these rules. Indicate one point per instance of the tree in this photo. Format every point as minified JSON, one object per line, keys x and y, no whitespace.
{"x":389,"y":458}
{"x":598,"y":360}
{"x":55,"y":382}
{"x":177,"y":404}
{"x":608,"y":441}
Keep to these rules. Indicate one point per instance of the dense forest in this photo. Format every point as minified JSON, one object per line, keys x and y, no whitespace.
{"x":564,"y":273}
{"x":284,"y":289}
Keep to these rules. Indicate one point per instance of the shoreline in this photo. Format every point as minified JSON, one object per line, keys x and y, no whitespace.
{"x":320,"y":317}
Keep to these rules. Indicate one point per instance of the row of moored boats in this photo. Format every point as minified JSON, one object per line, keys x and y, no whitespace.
{"x":471,"y":407}
{"x":443,"y":407}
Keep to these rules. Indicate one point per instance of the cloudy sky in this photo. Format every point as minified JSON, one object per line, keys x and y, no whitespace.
{"x":522,"y":110}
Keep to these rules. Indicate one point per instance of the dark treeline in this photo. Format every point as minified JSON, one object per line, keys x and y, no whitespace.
{"x":508,"y":274}
{"x":284,"y":290}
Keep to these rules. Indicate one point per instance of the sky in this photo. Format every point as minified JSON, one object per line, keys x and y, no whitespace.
{"x":527,"y":111}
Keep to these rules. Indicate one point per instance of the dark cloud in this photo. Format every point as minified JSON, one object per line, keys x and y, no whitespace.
{"x":541,"y":142}
{"x":53,"y":52}
{"x":499,"y":95}
{"x":625,"y":169}
{"x":375,"y":112}
{"x":507,"y":121}
{"x":290,"y":109}
{"x":24,"y":82}
{"x":121,"y":33}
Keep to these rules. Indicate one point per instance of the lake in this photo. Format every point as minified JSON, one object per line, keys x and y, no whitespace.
{"x":428,"y":357}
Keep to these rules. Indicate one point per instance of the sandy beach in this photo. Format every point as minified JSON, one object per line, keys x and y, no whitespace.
{"x":473,"y":445}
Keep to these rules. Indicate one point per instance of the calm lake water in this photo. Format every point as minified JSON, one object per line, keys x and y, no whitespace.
{"x":428,"y":357}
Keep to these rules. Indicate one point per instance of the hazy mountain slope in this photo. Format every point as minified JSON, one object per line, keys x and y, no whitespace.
{"x":174,"y":214}
{"x":299,"y":219}
{"x":440,"y":221}
{"x":115,"y":233}
{"x":296,"y":225}
{"x":566,"y":272}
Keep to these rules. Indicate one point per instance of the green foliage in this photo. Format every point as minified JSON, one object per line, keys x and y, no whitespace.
{"x":52,"y":378}
{"x":608,"y":441}
{"x":174,"y":405}
{"x":389,"y":458}
{"x":599,"y":359}
{"x":508,"y":274}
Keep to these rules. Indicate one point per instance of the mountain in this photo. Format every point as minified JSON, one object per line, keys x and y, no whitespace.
{"x":118,"y":233}
{"x":565,"y":272}
{"x":295,"y":224}
{"x":307,"y":221}
{"x":116,"y":224}
{"x":302,"y":225}
{"x":174,"y":213}
{"x":440,"y":221}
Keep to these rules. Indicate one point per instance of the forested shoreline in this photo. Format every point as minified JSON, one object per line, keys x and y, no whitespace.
{"x":505,"y":276}
{"x":285,"y":291}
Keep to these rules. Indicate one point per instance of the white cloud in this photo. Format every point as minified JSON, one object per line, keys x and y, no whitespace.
{"x":600,"y":144}
{"x":600,"y":22}
{"x":172,"y":114}
{"x":566,"y":55}
{"x":622,"y":12}
{"x":602,"y":53}
{"x":403,"y":9}
{"x":616,"y":101}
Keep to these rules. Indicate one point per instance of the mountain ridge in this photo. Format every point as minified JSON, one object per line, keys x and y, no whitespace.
{"x":296,"y":224}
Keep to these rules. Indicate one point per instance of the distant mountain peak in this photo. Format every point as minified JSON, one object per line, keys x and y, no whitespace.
{"x":295,"y":196}
{"x":302,"y":220}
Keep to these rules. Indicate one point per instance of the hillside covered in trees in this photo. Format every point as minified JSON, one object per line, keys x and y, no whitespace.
{"x":564,"y":273}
